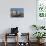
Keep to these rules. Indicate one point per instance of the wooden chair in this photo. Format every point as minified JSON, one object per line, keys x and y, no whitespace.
{"x":27,"y":37}
{"x":8,"y":34}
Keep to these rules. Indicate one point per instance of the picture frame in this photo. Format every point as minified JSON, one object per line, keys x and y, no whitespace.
{"x":17,"y":12}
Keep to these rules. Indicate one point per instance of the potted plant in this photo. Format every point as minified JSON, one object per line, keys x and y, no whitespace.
{"x":39,"y":35}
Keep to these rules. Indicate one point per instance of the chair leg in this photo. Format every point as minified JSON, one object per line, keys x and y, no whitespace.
{"x":5,"y":43}
{"x":5,"y":40}
{"x":17,"y":39}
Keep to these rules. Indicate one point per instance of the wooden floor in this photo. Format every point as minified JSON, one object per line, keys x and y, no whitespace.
{"x":13,"y":44}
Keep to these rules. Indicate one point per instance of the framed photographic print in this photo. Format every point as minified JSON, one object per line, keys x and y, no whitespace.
{"x":17,"y":12}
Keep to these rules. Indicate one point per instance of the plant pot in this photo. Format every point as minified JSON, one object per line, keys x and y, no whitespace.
{"x":40,"y":41}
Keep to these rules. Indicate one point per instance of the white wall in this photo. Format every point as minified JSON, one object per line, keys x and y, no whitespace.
{"x":24,"y":24}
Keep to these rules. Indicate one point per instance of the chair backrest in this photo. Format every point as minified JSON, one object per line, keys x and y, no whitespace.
{"x":14,"y":30}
